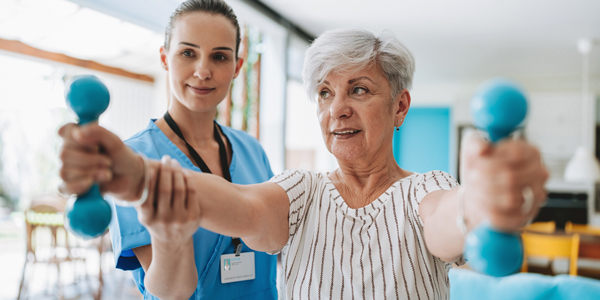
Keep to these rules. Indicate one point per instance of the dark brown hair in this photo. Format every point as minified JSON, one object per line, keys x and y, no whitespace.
{"x":213,"y":7}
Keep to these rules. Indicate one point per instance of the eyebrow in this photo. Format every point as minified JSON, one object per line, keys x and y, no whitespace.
{"x":351,"y":81}
{"x":196,"y":46}
{"x":223,"y":48}
{"x":189,"y":44}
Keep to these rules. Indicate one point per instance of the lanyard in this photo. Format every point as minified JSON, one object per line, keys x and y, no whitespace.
{"x":199,"y":161}
{"x":237,"y":244}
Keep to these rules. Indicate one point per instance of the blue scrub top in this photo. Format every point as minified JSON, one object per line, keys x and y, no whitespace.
{"x":249,"y":165}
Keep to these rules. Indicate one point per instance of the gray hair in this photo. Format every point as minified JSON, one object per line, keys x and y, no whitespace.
{"x":346,"y":50}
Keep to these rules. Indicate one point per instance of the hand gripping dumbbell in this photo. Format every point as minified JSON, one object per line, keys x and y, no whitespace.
{"x":498,"y":108}
{"x":87,"y":215}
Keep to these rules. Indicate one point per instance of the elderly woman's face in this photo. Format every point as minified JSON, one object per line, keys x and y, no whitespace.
{"x":357,"y":115}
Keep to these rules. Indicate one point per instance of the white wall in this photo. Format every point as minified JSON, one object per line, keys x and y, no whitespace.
{"x":273,"y":82}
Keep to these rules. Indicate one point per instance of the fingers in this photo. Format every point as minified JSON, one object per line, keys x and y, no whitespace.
{"x":147,"y":211}
{"x":164,"y":193}
{"x":179,"y":188}
{"x":79,"y":186}
{"x":191,"y":204}
{"x":94,"y":135}
{"x":474,"y":145}
{"x":168,"y":205}
{"x":78,"y":172}
{"x":503,"y":178}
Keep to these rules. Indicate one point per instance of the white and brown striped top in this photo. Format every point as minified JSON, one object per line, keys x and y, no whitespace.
{"x":374,"y":252}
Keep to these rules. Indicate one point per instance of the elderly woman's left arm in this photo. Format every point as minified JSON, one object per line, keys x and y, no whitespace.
{"x":494,"y":178}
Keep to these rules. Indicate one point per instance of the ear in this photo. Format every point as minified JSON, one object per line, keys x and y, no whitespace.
{"x":401,"y":105}
{"x":163,"y":58}
{"x":238,"y":67}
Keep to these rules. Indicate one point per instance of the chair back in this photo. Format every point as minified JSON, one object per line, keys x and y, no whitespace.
{"x":551,"y":246}
{"x":543,"y":227}
{"x":582,"y":229}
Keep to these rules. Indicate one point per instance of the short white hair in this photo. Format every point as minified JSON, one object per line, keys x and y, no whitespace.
{"x":346,"y":50}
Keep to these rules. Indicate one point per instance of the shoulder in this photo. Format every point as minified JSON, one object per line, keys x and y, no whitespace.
{"x":423,"y":183}
{"x":142,"y":135}
{"x":242,"y":139}
{"x":438,"y":177}
{"x":298,"y":179}
{"x":144,"y":141}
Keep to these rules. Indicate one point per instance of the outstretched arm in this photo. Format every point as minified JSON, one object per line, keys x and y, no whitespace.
{"x":256,"y":213}
{"x":493,"y":182}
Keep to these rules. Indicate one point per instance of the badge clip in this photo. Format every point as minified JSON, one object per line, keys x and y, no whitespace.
{"x":237,"y":245}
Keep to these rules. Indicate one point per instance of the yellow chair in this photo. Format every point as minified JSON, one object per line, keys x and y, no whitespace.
{"x":582,"y":229}
{"x":543,"y":227}
{"x":551,"y":246}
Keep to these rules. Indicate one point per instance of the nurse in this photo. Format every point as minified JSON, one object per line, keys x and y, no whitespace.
{"x":176,"y":259}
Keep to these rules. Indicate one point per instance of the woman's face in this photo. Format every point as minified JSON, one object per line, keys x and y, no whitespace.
{"x":201,"y":60}
{"x":357,"y":115}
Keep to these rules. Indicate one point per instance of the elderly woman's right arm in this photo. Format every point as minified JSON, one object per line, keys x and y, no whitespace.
{"x":256,"y":213}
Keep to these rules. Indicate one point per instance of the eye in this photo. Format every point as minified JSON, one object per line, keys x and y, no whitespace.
{"x":324,"y":94}
{"x":220,"y":57}
{"x":359,"y":90}
{"x":187,"y":53}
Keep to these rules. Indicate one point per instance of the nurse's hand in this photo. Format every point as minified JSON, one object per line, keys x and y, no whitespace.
{"x":117,"y":169}
{"x":503,"y":183}
{"x":170,"y":218}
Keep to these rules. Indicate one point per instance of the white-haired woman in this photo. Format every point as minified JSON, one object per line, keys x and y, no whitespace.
{"x":370,"y":229}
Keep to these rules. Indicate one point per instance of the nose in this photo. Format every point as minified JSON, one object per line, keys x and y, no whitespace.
{"x":203,"y":69}
{"x":340,"y":107}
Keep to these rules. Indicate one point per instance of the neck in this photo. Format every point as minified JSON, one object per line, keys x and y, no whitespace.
{"x":361,"y":182}
{"x":367,"y":172}
{"x":197,"y":127}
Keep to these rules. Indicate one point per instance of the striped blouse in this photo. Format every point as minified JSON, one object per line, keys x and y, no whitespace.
{"x":373,"y":252}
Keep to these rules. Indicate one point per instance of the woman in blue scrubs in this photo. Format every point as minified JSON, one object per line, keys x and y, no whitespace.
{"x":200,"y":56}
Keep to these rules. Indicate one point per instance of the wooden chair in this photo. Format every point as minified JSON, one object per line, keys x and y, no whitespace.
{"x":43,"y":215}
{"x":551,"y":246}
{"x":582,"y":229}
{"x":543,"y":227}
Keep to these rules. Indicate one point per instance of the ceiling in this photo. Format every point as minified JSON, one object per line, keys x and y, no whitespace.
{"x":468,"y":39}
{"x":65,"y":27}
{"x":457,"y":40}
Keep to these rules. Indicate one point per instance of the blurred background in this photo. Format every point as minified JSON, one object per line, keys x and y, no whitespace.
{"x":552,"y":48}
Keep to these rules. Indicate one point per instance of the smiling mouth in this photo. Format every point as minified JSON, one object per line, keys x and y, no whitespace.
{"x":347,"y":132}
{"x":201,"y":90}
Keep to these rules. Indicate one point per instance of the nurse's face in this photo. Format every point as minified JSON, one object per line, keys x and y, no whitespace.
{"x":201,"y":61}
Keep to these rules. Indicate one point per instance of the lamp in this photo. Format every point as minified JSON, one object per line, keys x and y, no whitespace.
{"x":583,"y":166}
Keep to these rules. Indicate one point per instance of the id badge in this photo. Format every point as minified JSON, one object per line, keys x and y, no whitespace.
{"x":237,"y":268}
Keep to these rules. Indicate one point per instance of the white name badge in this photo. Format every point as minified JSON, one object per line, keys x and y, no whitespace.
{"x":237,"y":268}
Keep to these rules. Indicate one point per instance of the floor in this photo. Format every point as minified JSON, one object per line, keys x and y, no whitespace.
{"x":78,"y":280}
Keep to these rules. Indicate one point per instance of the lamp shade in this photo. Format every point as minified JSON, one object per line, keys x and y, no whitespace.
{"x":583,"y":167}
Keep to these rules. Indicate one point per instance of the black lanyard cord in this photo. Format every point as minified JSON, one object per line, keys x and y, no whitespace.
{"x":202,"y":165}
{"x":199,"y":161}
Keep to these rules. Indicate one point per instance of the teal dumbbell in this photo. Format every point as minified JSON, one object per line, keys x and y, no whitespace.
{"x":87,"y":215}
{"x":499,"y":107}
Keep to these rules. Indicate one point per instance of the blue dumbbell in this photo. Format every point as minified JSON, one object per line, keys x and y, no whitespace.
{"x":498,"y":108}
{"x":87,"y":215}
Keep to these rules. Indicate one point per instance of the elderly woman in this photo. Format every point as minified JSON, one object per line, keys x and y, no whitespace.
{"x":367,"y":230}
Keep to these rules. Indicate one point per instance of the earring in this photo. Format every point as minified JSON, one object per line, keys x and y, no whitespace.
{"x":397,"y":125}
